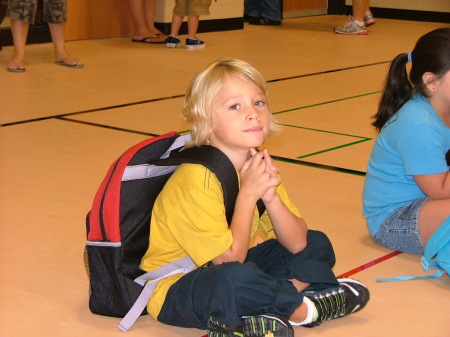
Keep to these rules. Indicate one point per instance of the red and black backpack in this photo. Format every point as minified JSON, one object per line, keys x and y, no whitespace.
{"x":118,"y":224}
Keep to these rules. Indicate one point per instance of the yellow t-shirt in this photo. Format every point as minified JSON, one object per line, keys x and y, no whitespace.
{"x":188,"y":219}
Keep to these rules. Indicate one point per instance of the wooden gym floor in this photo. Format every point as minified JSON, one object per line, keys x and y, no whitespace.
{"x":61,"y":128}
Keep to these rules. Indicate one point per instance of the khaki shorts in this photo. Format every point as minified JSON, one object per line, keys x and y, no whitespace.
{"x":191,"y":7}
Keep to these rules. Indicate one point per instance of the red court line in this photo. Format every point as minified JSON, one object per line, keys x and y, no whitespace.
{"x":363,"y":267}
{"x":369,"y":264}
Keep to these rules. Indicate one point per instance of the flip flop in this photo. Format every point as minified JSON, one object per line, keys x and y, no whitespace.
{"x":68,"y":65}
{"x":150,"y":39}
{"x":16,"y":69}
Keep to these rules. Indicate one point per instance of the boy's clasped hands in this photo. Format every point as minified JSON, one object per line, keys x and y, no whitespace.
{"x":260,"y":175}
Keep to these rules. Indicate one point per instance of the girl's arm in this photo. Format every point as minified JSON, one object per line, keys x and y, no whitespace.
{"x":435,"y":186}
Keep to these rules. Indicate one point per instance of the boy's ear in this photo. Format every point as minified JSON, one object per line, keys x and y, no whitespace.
{"x":429,"y":79}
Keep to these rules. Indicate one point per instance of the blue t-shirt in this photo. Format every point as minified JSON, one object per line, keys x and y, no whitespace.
{"x":413,"y":142}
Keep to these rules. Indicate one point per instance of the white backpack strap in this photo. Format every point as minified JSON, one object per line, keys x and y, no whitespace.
{"x":183,"y":266}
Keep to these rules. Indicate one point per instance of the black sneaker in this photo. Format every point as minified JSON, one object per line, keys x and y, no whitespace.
{"x":351,"y":296}
{"x":194,"y":44}
{"x":252,"y":326}
{"x":261,"y":21}
{"x":172,"y":42}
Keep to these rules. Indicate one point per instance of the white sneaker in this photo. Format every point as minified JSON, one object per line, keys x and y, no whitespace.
{"x":351,"y":28}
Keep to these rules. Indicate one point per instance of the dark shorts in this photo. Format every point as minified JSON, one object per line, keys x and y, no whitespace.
{"x":259,"y":285}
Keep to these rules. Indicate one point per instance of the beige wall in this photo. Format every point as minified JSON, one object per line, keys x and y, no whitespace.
{"x":419,"y":5}
{"x":297,"y":8}
{"x":108,"y":18}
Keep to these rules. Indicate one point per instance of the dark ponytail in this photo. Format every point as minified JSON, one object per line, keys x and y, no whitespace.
{"x":397,"y":91}
{"x":431,"y":54}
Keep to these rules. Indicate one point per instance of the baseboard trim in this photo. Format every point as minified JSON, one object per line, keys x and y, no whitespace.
{"x":40,"y":33}
{"x":406,"y":14}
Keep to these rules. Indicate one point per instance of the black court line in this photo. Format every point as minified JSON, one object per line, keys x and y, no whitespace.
{"x":328,"y":71}
{"x":182,"y":95}
{"x":92,"y":110}
{"x":278,"y":158}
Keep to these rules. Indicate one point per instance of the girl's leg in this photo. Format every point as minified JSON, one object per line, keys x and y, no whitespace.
{"x":432,"y":214}
{"x":19,"y":31}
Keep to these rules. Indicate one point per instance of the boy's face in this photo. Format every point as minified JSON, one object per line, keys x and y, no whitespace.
{"x":240,"y":119}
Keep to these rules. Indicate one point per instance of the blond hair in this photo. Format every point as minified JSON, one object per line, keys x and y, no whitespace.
{"x":202,"y":91}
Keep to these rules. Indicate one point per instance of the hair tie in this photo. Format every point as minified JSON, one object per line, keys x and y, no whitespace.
{"x":409,"y":57}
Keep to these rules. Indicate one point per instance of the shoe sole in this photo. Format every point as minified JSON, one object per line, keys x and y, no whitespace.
{"x":267,"y":326}
{"x":253,"y":326}
{"x":362,"y":32}
{"x":348,"y":282}
{"x":172,"y":45}
{"x":197,"y":46}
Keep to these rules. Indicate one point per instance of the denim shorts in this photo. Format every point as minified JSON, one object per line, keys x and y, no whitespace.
{"x":400,"y":231}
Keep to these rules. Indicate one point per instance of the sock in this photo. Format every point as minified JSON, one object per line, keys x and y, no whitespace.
{"x":312,"y":313}
{"x":360,"y":23}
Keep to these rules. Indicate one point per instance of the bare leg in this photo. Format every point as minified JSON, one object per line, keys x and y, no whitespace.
{"x":176,"y":25}
{"x":359,"y":8}
{"x":142,"y":14}
{"x":299,"y":314}
{"x":431,"y":216}
{"x":300,"y":286}
{"x":57,"y":31}
{"x":149,"y":12}
{"x":19,"y":31}
{"x":193,"y":26}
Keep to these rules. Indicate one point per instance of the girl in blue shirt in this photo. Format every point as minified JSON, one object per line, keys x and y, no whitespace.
{"x":407,"y":188}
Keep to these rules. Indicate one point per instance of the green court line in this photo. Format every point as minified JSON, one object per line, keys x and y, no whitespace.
{"x":334,"y":148}
{"x":319,"y":166}
{"x":328,"y":102}
{"x":324,"y":131}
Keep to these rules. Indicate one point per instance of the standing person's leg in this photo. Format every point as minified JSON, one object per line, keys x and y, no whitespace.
{"x":263,"y":12}
{"x":359,"y":8}
{"x":21,"y":13}
{"x":142,"y":14}
{"x":252,"y":9}
{"x":271,"y":11}
{"x":195,"y":8}
{"x":193,"y":21}
{"x":173,"y":41}
{"x":19,"y":31}
{"x":192,"y":42}
{"x":55,"y":14}
{"x":368,"y":16}
{"x":149,"y":13}
{"x":355,"y":24}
